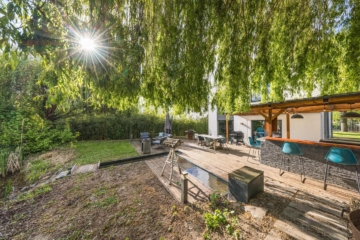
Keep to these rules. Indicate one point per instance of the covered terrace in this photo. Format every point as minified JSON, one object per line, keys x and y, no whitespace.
{"x":271,"y":110}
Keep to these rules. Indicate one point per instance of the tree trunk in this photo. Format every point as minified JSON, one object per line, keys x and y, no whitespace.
{"x":344,"y":125}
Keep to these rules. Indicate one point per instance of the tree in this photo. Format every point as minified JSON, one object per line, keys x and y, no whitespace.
{"x":162,"y":52}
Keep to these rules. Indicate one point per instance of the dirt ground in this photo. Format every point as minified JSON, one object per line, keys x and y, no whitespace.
{"x":120,"y":202}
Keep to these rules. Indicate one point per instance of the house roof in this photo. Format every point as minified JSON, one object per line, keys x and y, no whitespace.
{"x":337,"y":102}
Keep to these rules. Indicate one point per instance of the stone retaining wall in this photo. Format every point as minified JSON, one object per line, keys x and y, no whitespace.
{"x":314,"y":163}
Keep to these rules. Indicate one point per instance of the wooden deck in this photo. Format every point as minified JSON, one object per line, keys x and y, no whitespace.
{"x":310,"y":211}
{"x":223,"y":162}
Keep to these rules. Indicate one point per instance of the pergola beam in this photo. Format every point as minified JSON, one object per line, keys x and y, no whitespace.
{"x":263,"y":114}
{"x":340,"y":102}
{"x":278,"y":113}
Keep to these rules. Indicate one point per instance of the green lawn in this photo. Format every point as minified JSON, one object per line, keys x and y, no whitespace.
{"x":347,"y":135}
{"x":88,"y":152}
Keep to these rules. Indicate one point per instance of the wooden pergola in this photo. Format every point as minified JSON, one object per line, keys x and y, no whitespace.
{"x":271,"y":110}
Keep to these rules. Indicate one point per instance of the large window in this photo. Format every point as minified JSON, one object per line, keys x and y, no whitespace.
{"x":222,"y":127}
{"x":343,"y":128}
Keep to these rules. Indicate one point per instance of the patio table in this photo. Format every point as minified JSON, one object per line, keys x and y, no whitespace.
{"x":215,"y":138}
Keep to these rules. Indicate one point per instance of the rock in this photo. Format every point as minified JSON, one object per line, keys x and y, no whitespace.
{"x":32,"y":185}
{"x":256,"y":212}
{"x":236,"y":205}
{"x":23,"y":190}
{"x":41,"y":237}
{"x":62,"y":174}
{"x":46,"y":177}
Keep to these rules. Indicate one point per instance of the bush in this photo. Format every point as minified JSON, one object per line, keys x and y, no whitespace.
{"x":41,"y":135}
{"x":120,"y":125}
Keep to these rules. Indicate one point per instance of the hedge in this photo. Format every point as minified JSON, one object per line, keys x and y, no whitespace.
{"x":121,"y":125}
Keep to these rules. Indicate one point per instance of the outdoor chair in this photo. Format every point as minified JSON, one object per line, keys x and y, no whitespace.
{"x":253,"y":146}
{"x":291,"y":149}
{"x":201,"y":141}
{"x":208,"y":141}
{"x":341,"y":156}
{"x":222,"y":141}
{"x":157,"y":141}
{"x":196,"y":138}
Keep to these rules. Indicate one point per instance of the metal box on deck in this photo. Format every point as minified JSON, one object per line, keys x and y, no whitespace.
{"x":246,"y":182}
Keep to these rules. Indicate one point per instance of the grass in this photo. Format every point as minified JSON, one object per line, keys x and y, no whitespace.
{"x":348,"y":135}
{"x":38,"y":168}
{"x":37,"y":191}
{"x":89,"y":152}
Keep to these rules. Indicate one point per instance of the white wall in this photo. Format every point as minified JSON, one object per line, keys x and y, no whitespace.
{"x":212,"y":123}
{"x":308,"y":128}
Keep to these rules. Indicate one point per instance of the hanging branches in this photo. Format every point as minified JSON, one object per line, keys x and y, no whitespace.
{"x":163,"y":53}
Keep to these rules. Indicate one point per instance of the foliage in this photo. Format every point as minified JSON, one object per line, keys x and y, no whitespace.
{"x":4,"y":154}
{"x":36,"y":169}
{"x":40,"y":135}
{"x":89,"y":152}
{"x":215,"y":199}
{"x":121,"y":124}
{"x":162,"y":53}
{"x":8,"y":190}
{"x":35,"y":192}
{"x":214,"y":221}
{"x":24,"y":110}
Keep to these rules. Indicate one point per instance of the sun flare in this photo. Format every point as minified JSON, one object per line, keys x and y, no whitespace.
{"x":87,"y":44}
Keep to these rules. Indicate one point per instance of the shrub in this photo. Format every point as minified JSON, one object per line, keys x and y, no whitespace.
{"x":214,"y":221}
{"x":120,"y":125}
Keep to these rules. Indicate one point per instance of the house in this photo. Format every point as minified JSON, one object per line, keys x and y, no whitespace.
{"x":315,"y":125}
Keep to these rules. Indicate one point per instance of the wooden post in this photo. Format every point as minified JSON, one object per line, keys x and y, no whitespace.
{"x":268,"y":123}
{"x":274,"y":125}
{"x":227,"y":127}
{"x":184,"y":188}
{"x":288,"y":125}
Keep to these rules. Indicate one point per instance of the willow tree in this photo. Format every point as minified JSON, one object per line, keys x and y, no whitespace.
{"x":162,"y":52}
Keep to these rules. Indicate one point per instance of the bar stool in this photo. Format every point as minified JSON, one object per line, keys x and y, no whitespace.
{"x":292,"y":149}
{"x":254,"y":146}
{"x":342,"y":156}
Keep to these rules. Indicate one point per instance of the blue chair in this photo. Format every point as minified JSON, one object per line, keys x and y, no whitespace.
{"x":291,"y":149}
{"x":254,"y":146}
{"x":342,"y":156}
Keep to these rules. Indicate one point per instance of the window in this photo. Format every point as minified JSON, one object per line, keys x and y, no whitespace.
{"x":222,"y":127}
{"x":342,"y":128}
